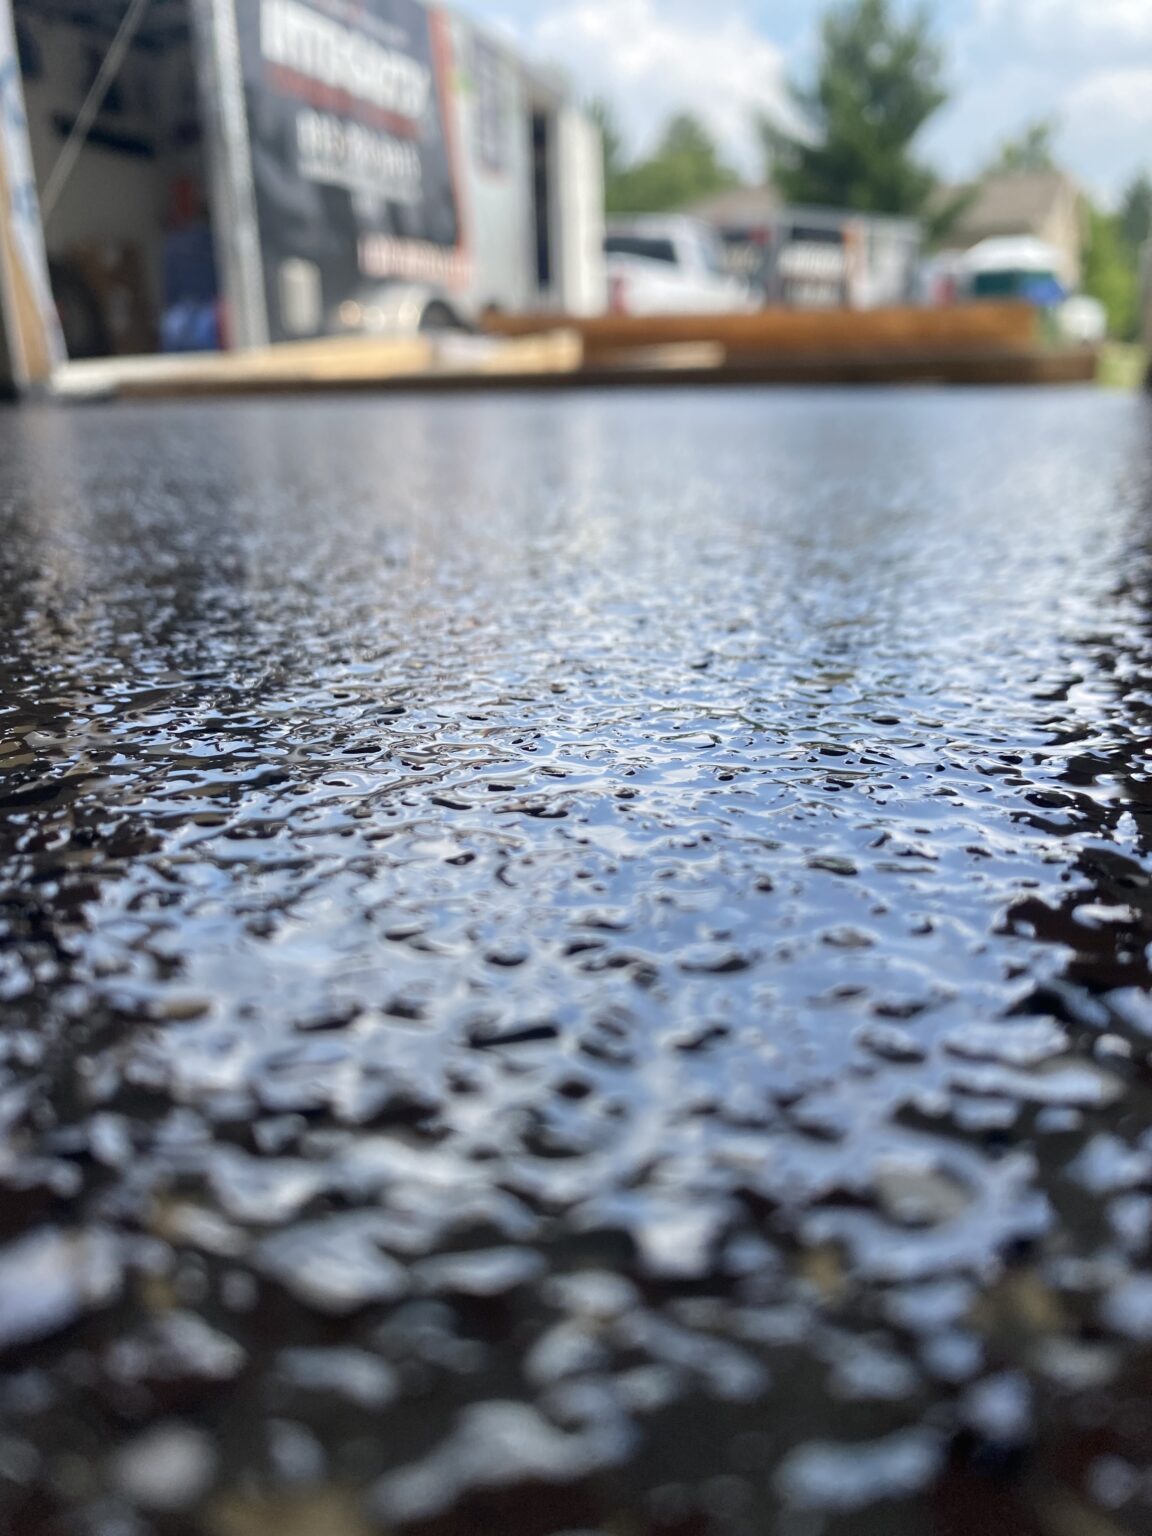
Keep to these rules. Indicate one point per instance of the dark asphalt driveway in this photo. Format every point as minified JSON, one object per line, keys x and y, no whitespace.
{"x":577,"y":964}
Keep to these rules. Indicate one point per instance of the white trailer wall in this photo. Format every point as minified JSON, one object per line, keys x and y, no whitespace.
{"x":495,"y":95}
{"x":492,"y":149}
{"x":578,"y":214}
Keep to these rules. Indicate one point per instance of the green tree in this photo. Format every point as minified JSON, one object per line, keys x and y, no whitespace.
{"x":1136,"y":213}
{"x":1110,"y":273}
{"x":1033,"y":150}
{"x":879,"y":81}
{"x":684,"y":167}
{"x":601,"y":113}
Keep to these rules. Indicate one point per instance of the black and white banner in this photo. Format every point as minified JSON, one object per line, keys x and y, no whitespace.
{"x":348,"y":118}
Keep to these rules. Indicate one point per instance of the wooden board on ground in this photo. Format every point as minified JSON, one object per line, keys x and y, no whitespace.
{"x":701,"y":355}
{"x":556,"y":360}
{"x":336,"y":363}
{"x":780,"y":333}
{"x":1037,"y":365}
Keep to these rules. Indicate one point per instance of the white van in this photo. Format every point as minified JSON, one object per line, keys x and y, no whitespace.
{"x":1027,"y":269}
{"x":670,"y":264}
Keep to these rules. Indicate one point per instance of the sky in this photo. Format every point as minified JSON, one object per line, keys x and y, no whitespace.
{"x":1088,"y":63}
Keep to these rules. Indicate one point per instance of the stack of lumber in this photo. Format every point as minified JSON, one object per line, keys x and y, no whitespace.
{"x":971,"y":344}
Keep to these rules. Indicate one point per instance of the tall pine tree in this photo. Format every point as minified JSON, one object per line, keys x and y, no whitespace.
{"x":879,"y":81}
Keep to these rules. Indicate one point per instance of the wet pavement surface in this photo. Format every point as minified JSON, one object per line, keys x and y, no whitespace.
{"x":577,"y":965}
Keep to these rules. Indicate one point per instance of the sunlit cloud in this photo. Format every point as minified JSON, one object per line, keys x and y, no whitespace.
{"x":651,"y":61}
{"x":1082,"y":62}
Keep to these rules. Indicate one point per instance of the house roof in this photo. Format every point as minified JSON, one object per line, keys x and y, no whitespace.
{"x":1013,"y":203}
{"x":738,"y":207}
{"x":754,"y":207}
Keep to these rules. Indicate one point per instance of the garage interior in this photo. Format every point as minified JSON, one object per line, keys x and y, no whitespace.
{"x":114,"y":120}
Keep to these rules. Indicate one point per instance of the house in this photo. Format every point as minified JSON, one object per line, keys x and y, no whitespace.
{"x":1046,"y":205}
{"x":739,"y":208}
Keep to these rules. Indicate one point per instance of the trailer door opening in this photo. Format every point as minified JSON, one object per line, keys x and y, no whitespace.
{"x":128,"y":233}
{"x":542,"y":200}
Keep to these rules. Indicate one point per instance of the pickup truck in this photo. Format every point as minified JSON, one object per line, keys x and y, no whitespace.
{"x":660,"y":265}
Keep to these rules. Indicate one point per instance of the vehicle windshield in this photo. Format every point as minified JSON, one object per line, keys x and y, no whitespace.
{"x":1009,"y":283}
{"x":649,"y":247}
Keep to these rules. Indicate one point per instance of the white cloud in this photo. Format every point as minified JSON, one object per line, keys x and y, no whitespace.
{"x":1122,"y":94}
{"x":1063,"y":25}
{"x":1108,"y":119}
{"x":1086,"y":64}
{"x":650,"y":63}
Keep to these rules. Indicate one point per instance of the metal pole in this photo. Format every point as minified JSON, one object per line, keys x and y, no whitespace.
{"x":70,"y":153}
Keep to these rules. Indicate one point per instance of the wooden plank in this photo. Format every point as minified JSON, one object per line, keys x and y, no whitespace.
{"x":785,"y":332}
{"x":332,"y":363}
{"x":554,"y":360}
{"x":1037,"y":366}
{"x":688,"y":354}
{"x":29,"y":343}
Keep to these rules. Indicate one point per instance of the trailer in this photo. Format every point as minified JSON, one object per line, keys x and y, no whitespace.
{"x":814,"y":258}
{"x":180,"y":175}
